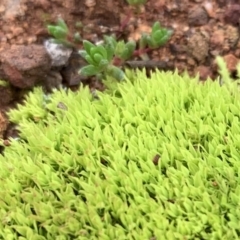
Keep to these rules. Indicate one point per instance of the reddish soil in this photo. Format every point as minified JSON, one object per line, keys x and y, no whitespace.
{"x":203,"y":29}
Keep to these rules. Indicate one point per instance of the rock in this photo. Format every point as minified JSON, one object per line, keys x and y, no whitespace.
{"x":70,"y":73}
{"x":204,"y":72}
{"x":7,"y":92}
{"x":232,"y":14}
{"x":7,"y":95}
{"x":90,"y":3}
{"x":12,"y":8}
{"x":197,"y":17}
{"x":231,"y":35}
{"x":208,"y":6}
{"x":217,"y":39}
{"x":52,"y":80}
{"x":231,"y":62}
{"x":3,"y":124}
{"x":58,"y":53}
{"x":198,"y":46}
{"x":25,"y":66}
{"x":222,"y":3}
{"x":176,"y":48}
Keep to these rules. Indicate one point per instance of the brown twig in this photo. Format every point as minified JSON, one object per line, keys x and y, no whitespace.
{"x":149,"y":64}
{"x":138,"y":52}
{"x":124,"y":23}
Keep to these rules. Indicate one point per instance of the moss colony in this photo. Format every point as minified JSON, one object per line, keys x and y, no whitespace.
{"x":154,"y":159}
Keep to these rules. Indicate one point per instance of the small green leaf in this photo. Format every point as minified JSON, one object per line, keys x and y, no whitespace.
{"x":57,"y":32}
{"x":110,"y":40}
{"x":144,"y":41}
{"x":100,"y":50}
{"x":63,"y":41}
{"x":125,"y":54}
{"x":77,"y":37}
{"x":61,"y":23}
{"x":89,"y":70}
{"x":159,"y":39}
{"x":97,"y":58}
{"x":51,"y":29}
{"x":128,"y":51}
{"x":89,"y":59}
{"x":131,"y":45}
{"x":156,"y":26}
{"x":20,"y":229}
{"x":87,"y":46}
{"x":103,"y":63}
{"x":125,"y":51}
{"x":116,"y":72}
{"x":110,"y":53}
{"x":120,"y":47}
{"x":83,"y":53}
{"x":110,"y":44}
{"x":159,"y":36}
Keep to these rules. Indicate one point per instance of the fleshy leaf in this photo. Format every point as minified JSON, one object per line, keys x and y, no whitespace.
{"x":83,"y":53}
{"x":97,"y":58}
{"x":88,"y":70}
{"x":61,"y":23}
{"x":57,"y":32}
{"x":116,"y":72}
{"x":88,"y":46}
{"x":89,"y":59}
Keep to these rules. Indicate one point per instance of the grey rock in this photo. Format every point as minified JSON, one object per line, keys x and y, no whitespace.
{"x":70,"y":73}
{"x":58,"y":53}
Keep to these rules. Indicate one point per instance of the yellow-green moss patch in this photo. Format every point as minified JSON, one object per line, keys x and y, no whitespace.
{"x":155,"y":159}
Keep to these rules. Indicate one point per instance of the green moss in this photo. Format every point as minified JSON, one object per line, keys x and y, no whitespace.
{"x":87,"y":169}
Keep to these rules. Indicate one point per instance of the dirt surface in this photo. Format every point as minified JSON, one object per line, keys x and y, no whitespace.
{"x":203,"y":29}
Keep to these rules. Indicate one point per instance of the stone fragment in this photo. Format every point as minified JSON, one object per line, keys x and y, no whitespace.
{"x":208,"y":6}
{"x":197,"y":17}
{"x":204,"y":72}
{"x":217,"y":38}
{"x":3,"y":124}
{"x":232,"y":14}
{"x":52,"y":80}
{"x":198,"y":46}
{"x":7,"y":95}
{"x":231,"y":62}
{"x":25,"y":66}
{"x":70,"y":73}
{"x":58,"y":53}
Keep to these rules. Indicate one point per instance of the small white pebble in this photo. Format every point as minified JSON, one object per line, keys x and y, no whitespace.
{"x":209,"y":8}
{"x":90,"y":3}
{"x":58,"y":53}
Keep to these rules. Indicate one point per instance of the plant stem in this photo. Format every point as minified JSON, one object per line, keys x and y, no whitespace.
{"x":124,"y":23}
{"x":139,"y":52}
